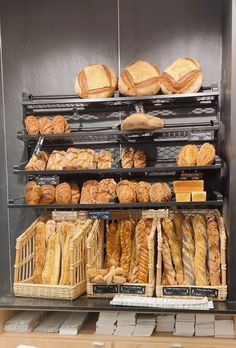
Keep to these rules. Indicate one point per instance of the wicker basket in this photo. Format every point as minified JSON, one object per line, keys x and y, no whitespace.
{"x":95,"y":259}
{"x":24,"y":265}
{"x":218,"y":293}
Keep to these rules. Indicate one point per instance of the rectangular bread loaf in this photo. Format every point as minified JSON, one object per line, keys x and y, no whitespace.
{"x":188,"y":186}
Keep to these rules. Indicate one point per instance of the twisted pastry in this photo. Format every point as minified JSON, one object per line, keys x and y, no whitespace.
{"x":188,"y":253}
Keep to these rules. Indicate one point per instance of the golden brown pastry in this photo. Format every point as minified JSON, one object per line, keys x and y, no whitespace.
{"x":47,"y":270}
{"x":126,"y":192}
{"x":86,"y":159}
{"x":140,"y":159}
{"x":140,"y":78}
{"x":89,"y":192}
{"x":105,"y":159}
{"x":206,"y":155}
{"x":72,"y":158}
{"x":200,"y":234}
{"x":32,"y":192}
{"x":63,"y":193}
{"x":45,"y":125}
{"x":126,"y":245}
{"x":111,"y":230}
{"x":168,"y":277}
{"x":141,"y":121}
{"x":143,"y":192}
{"x":56,"y":267}
{"x":57,"y":160}
{"x":213,"y":239}
{"x":175,"y":249}
{"x":96,"y":81}
{"x":48,"y":193}
{"x":75,"y":192}
{"x":160,"y":192}
{"x":60,"y":125}
{"x":127,"y":157}
{"x":37,"y":162}
{"x":187,"y":156}
{"x":32,"y":125}
{"x":183,"y":76}
{"x":178,"y":219}
{"x":39,"y":252}
{"x":188,"y":252}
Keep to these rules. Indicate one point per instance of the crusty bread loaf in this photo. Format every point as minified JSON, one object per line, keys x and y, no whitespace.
{"x":127,"y":157}
{"x":160,"y":192}
{"x":60,"y":125}
{"x":188,"y":252}
{"x":89,"y":192}
{"x":45,"y":125}
{"x":187,"y":156}
{"x":141,"y":121}
{"x":169,"y":276}
{"x":47,"y":194}
{"x":178,"y":219}
{"x":39,"y":252}
{"x":32,"y":125}
{"x":111,"y":230}
{"x":37,"y":162}
{"x":65,"y":264}
{"x":140,"y":78}
{"x":143,"y":258}
{"x":213,"y":239}
{"x":51,"y":227}
{"x":50,"y":253}
{"x":126,"y":245}
{"x":175,"y":249}
{"x":63,"y":193}
{"x":96,"y":81}
{"x":206,"y":155}
{"x":32,"y":192}
{"x":200,"y":235}
{"x":183,"y":76}
{"x":140,"y":159}
{"x":56,"y":267}
{"x":143,"y":191}
{"x":126,"y":192}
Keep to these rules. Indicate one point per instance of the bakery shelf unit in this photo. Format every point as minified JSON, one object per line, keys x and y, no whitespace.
{"x":96,"y":124}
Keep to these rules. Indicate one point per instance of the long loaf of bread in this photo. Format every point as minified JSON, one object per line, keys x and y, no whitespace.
{"x":56,"y":268}
{"x":39,"y":252}
{"x":199,"y":228}
{"x":188,"y":252}
{"x":178,"y":220}
{"x":168,"y":276}
{"x":175,"y":248}
{"x":110,"y":240}
{"x":115,"y":258}
{"x":65,"y":268}
{"x":142,"y":274}
{"x":126,"y":245}
{"x":47,"y":270}
{"x":213,"y":237}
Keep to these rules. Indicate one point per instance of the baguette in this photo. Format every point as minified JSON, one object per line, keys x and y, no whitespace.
{"x":50,"y":253}
{"x":178,"y":220}
{"x":65,"y":264}
{"x":188,"y":252}
{"x":39,"y":252}
{"x":213,"y":237}
{"x":50,"y":228}
{"x":169,"y":276}
{"x":56,"y":268}
{"x":126,"y":245}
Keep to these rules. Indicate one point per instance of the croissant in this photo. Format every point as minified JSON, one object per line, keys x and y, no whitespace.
{"x":32,"y":125}
{"x":32,"y":192}
{"x":63,"y":193}
{"x":45,"y":125}
{"x":47,"y":194}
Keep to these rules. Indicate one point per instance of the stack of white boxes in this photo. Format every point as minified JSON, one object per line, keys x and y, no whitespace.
{"x":184,"y":325}
{"x":224,"y":327}
{"x":126,"y":322}
{"x":145,"y":325}
{"x":165,"y":322}
{"x":205,"y":325}
{"x":106,"y":323}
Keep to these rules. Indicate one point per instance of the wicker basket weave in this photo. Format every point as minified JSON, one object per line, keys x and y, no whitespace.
{"x":221,"y":290}
{"x":24,"y":265}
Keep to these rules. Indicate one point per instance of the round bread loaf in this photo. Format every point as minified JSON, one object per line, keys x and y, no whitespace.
{"x":140,"y":78}
{"x":183,"y":76}
{"x":96,"y":81}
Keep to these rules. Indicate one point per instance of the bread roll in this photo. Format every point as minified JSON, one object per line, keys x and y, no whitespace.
{"x":188,"y":252}
{"x":89,"y":192}
{"x":50,"y":253}
{"x":168,"y":277}
{"x":140,"y":78}
{"x":39,"y":252}
{"x":213,"y":239}
{"x":57,"y":160}
{"x":37,"y":162}
{"x":206,"y":155}
{"x":183,"y":76}
{"x":187,"y":156}
{"x":141,"y":121}
{"x":32,"y":192}
{"x":32,"y":125}
{"x":60,"y":125}
{"x":45,"y":125}
{"x":143,"y":192}
{"x":63,"y":193}
{"x":160,"y":192}
{"x":96,"y":81}
{"x":127,"y":157}
{"x":140,"y":159}
{"x":175,"y":249}
{"x":47,"y":194}
{"x":126,"y":192}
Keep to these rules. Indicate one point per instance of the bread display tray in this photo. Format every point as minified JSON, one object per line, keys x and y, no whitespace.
{"x":218,"y":293}
{"x":95,"y":257}
{"x":24,"y":265}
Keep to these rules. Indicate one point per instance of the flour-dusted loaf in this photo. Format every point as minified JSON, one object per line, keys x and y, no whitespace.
{"x":143,"y":192}
{"x":141,"y":121}
{"x":140,"y":78}
{"x":126,"y":192}
{"x":39,"y":252}
{"x":96,"y":81}
{"x":183,"y":76}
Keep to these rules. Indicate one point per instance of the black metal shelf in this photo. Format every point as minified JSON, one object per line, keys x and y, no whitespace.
{"x":215,"y":201}
{"x":161,"y":168}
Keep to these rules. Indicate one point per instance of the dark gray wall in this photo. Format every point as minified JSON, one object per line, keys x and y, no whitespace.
{"x":45,"y":43}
